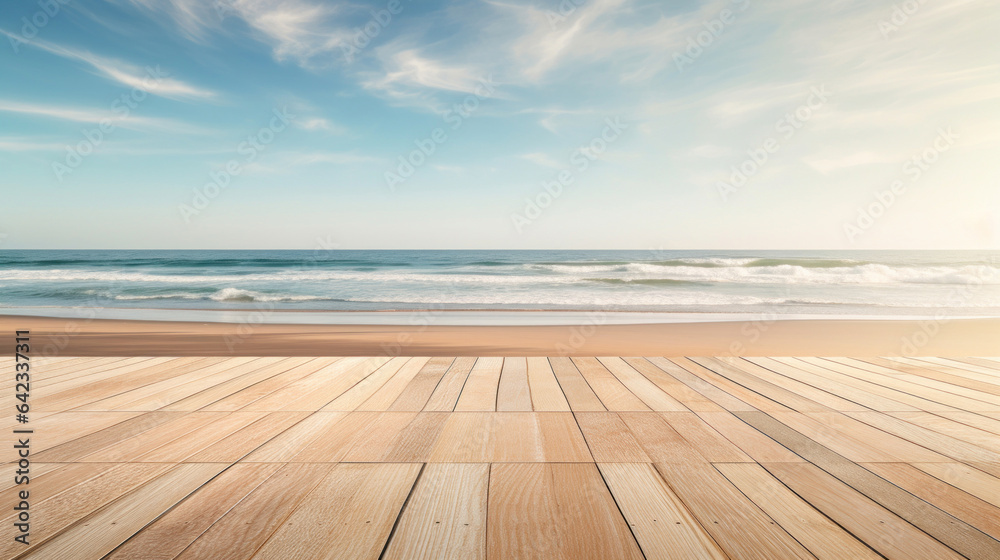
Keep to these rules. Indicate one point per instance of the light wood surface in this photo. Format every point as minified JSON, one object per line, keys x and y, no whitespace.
{"x":517,"y":457}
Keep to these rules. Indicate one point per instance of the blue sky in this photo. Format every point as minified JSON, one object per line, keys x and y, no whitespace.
{"x":589,"y":124}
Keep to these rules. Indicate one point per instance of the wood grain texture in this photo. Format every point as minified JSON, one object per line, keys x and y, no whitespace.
{"x":445,"y":518}
{"x":822,"y":537}
{"x":660,"y":521}
{"x":736,"y":523}
{"x":546,"y":394}
{"x":554,"y":511}
{"x":480,"y":391}
{"x":349,"y":515}
{"x":513,"y":457}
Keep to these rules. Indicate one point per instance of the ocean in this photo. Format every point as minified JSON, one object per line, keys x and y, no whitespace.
{"x":891,"y":283}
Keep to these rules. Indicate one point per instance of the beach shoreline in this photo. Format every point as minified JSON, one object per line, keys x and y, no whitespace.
{"x":822,"y":337}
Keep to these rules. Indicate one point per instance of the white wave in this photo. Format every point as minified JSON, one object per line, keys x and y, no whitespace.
{"x":867,"y":274}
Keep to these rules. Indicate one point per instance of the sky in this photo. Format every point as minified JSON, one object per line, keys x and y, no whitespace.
{"x":576,"y":124}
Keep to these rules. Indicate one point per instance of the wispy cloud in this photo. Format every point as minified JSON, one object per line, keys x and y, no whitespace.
{"x":542,"y":159}
{"x":152,"y":79}
{"x":297,"y":30}
{"x":95,"y":116}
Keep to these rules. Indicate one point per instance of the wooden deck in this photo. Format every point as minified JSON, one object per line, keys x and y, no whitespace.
{"x":465,"y":458}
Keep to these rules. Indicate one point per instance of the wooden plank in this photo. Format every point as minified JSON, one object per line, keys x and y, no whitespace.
{"x":100,"y":533}
{"x":748,"y":375}
{"x":298,"y":368}
{"x":609,"y":439}
{"x":63,"y":427}
{"x":554,"y":511}
{"x":336,"y":440}
{"x":237,"y":445}
{"x":833,"y":371}
{"x":896,"y":446}
{"x":61,"y":511}
{"x":480,"y":391}
{"x":446,"y":393}
{"x":680,"y":392}
{"x":513,"y":393}
{"x":335,"y":380}
{"x":579,"y":395}
{"x":85,"y":445}
{"x":680,"y":369}
{"x":791,"y":392}
{"x":153,"y":395}
{"x":929,"y":382}
{"x":709,"y":443}
{"x":416,"y":395}
{"x":957,"y":430}
{"x":445,"y":518}
{"x":220,"y":391}
{"x":378,"y":439}
{"x":132,"y":448}
{"x":562,"y":441}
{"x":166,"y":537}
{"x":751,"y":441}
{"x":913,"y":385}
{"x":416,"y":441}
{"x":79,"y":391}
{"x":972,"y":480}
{"x":308,"y":393}
{"x":949,"y":372}
{"x":292,"y":441}
{"x":863,"y":398}
{"x":465,"y":438}
{"x":47,"y":480}
{"x":853,"y":449}
{"x":946,"y":445}
{"x":644,"y":389}
{"x":971,"y":509}
{"x":355,"y":396}
{"x":474,"y":437}
{"x":546,"y":395}
{"x":822,"y":537}
{"x":661,"y":442}
{"x":661,"y":523}
{"x":246,"y":527}
{"x":204,"y":437}
{"x":937,"y":523}
{"x":732,"y":389}
{"x":613,"y":394}
{"x":878,"y":527}
{"x":515,"y":437}
{"x":740,"y":528}
{"x":975,"y":420}
{"x":264,"y":374}
{"x":391,"y":390}
{"x":348,"y":515}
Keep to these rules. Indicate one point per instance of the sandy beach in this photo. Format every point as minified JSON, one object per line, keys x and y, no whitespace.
{"x":875,"y":337}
